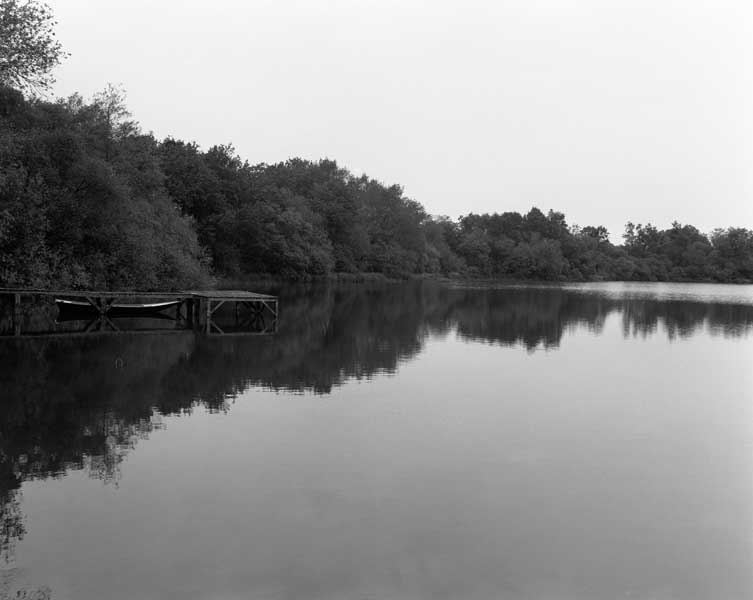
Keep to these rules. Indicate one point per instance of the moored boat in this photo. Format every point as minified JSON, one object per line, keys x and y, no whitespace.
{"x":70,"y":308}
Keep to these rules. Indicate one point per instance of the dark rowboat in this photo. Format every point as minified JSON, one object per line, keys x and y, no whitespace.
{"x":76,"y":308}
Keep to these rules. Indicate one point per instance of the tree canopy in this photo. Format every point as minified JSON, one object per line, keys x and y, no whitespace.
{"x":89,"y":200}
{"x":29,"y":49}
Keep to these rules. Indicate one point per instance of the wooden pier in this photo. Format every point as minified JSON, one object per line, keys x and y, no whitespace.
{"x":244,"y":312}
{"x":254,"y":305}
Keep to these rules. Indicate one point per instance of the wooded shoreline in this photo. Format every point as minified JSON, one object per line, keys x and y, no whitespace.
{"x":87,"y":200}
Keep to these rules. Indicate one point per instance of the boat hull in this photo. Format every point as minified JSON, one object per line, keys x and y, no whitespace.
{"x":70,"y":309}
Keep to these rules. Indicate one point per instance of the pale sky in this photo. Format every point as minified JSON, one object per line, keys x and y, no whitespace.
{"x":605,"y":110}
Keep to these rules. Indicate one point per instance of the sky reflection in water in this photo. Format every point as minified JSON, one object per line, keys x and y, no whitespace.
{"x":533,"y":442}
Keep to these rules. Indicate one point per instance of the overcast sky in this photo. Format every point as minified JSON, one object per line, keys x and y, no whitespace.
{"x":606,"y":110}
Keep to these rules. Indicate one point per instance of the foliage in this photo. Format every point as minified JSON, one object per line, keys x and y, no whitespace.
{"x":88,"y":200}
{"x":28,"y":48}
{"x":83,"y":202}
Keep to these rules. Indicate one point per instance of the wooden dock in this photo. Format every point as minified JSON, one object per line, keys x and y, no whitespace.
{"x":250,"y":312}
{"x":255,"y":305}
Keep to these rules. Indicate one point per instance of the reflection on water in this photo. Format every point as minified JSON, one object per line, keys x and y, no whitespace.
{"x":83,"y":404}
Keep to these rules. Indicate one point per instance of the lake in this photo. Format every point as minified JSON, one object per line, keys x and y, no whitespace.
{"x":389,"y":442}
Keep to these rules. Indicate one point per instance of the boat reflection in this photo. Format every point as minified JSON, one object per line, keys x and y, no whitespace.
{"x":82,"y":402}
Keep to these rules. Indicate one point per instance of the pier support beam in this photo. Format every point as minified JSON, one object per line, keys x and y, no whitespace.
{"x":17,"y":314}
{"x":189,"y":313}
{"x":208,"y":323}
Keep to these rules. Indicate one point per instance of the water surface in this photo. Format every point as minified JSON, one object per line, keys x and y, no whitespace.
{"x":392,"y":442}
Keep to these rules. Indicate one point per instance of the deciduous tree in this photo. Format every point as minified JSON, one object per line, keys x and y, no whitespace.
{"x":29,"y":50}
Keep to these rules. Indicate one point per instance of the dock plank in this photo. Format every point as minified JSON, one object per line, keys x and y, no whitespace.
{"x":230,"y":295}
{"x":238,"y":295}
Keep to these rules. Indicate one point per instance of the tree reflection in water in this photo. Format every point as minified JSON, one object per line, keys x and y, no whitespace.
{"x":82,"y":403}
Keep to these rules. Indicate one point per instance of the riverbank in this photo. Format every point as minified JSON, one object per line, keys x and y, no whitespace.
{"x":267,"y":280}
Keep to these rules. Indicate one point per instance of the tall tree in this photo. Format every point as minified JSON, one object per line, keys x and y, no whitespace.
{"x":28,"y":47}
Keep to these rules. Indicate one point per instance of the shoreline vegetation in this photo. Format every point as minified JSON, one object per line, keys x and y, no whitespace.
{"x":88,"y":200}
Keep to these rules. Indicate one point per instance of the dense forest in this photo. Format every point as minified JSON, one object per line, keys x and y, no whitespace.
{"x":89,"y":200}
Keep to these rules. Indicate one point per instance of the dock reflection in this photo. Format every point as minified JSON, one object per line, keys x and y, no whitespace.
{"x":83,"y":402}
{"x":48,"y":312}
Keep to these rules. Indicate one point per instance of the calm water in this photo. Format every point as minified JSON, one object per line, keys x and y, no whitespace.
{"x":389,"y":443}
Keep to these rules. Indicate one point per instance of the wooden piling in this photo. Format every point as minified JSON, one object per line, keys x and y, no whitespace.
{"x":17,"y":314}
{"x":189,"y":312}
{"x":208,"y":323}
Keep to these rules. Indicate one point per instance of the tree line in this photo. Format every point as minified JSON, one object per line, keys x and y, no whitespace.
{"x":87,"y":199}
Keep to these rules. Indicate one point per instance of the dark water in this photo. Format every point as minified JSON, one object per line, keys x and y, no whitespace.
{"x":399,"y":442}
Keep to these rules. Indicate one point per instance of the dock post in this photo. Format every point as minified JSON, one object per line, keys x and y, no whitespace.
{"x":208,"y":324}
{"x":17,"y":316}
{"x":189,"y":313}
